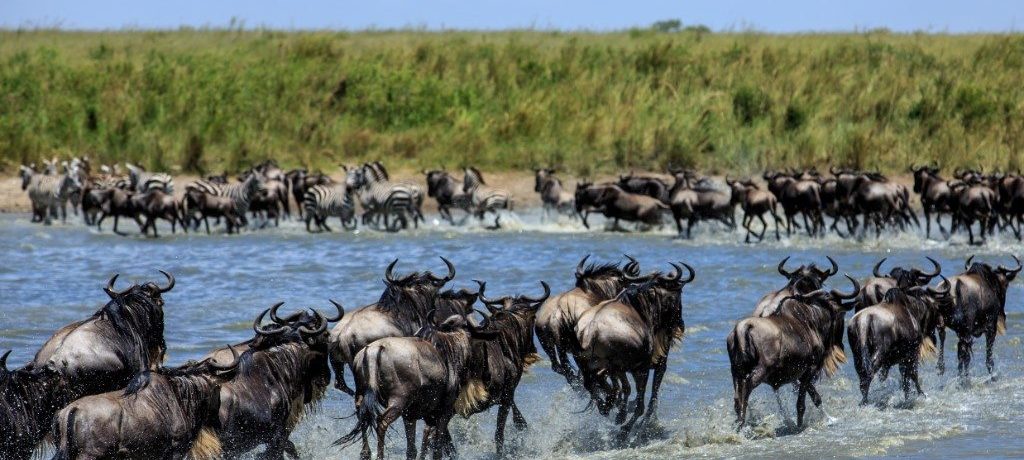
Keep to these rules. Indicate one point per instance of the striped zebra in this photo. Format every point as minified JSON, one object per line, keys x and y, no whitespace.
{"x":484,"y":197}
{"x":49,"y":193}
{"x":242,"y":193}
{"x":321,"y":202}
{"x":141,"y":181}
{"x":381,"y":198}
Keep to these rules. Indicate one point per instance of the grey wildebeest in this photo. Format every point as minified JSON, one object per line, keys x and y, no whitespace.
{"x":208,"y":205}
{"x":798,"y":195}
{"x":29,"y":397}
{"x":157,"y":204}
{"x":974,"y":202}
{"x":416,"y":378}
{"x":646,"y":184}
{"x":447,"y":191}
{"x":400,"y":312}
{"x":804,"y":337}
{"x":553,"y":194}
{"x":118,"y":203}
{"x":979,"y":308}
{"x":873,"y":289}
{"x":102,"y":353}
{"x":755,"y":203}
{"x":935,"y":196}
{"x":803,"y":279}
{"x":632,"y":333}
{"x":282,"y":373}
{"x":161,"y":414}
{"x":618,"y":204}
{"x":556,"y":319}
{"x":703,"y":202}
{"x":899,"y":330}
{"x":505,"y":359}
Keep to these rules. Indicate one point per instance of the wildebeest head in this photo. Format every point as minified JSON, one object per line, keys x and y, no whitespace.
{"x":807,"y":278}
{"x":605,"y":279}
{"x":583,"y":194}
{"x":540,"y":176}
{"x":908,"y":277}
{"x":661,"y":296}
{"x":415,"y":290}
{"x":452,"y":302}
{"x":512,"y":317}
{"x":999,"y":278}
{"x":436,"y":180}
{"x":140,"y":307}
{"x":310,"y":326}
{"x":923,"y":175}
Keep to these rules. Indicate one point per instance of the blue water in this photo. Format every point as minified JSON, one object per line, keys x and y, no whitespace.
{"x":51,"y":276}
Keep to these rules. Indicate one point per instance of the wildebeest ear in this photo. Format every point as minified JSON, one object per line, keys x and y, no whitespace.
{"x":451,"y":323}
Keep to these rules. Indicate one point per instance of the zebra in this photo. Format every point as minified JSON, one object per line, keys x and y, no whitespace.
{"x":49,"y":193}
{"x":242,"y":193}
{"x":380,"y":197}
{"x":552,"y":193}
{"x":484,"y":197}
{"x":444,"y":188}
{"x":141,"y":181}
{"x":323,"y":201}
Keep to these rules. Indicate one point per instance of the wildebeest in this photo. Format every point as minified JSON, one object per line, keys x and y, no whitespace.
{"x":704,"y":202}
{"x":141,"y":181}
{"x":755,"y":203}
{"x":209,"y":205}
{"x":618,"y":204}
{"x":161,"y":414}
{"x":557,"y":317}
{"x":485,"y":199}
{"x":118,"y":203}
{"x":646,"y":184}
{"x":795,"y":344}
{"x":102,"y":353}
{"x":29,"y":397}
{"x":979,"y":308}
{"x":974,"y":202}
{"x":898,"y":330}
{"x":804,"y":279}
{"x":505,"y":359}
{"x":797,"y":196}
{"x":447,"y":191}
{"x":553,"y":194}
{"x":400,"y":311}
{"x":873,"y":289}
{"x":935,"y":196}
{"x":156,"y":204}
{"x":632,"y":333}
{"x":283,"y":371}
{"x":416,"y":378}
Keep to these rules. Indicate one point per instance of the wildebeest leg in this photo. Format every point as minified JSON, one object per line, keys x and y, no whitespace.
{"x":689,"y":227}
{"x":410,"y":437}
{"x":623,"y":397}
{"x":964,"y":348}
{"x":517,"y":417}
{"x":801,"y":402}
{"x":764,"y":228}
{"x":927,"y":223}
{"x":808,"y":227}
{"x":905,"y":379}
{"x":941,"y":364}
{"x":990,"y":341}
{"x":659,"y":375}
{"x":744,"y":387}
{"x":640,"y":380}
{"x":206,"y":220}
{"x":499,"y":429}
{"x":393,"y":411}
{"x":816,"y":398}
{"x":426,"y":443}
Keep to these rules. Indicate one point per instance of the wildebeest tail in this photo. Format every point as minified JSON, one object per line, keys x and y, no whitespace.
{"x":742,"y":355}
{"x":64,"y":441}
{"x":370,"y":408}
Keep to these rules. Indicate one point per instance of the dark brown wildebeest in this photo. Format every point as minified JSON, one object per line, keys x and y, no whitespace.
{"x":553,"y":194}
{"x":1011,"y":201}
{"x":798,"y":196}
{"x":703,"y":202}
{"x":121,"y":339}
{"x":632,"y":333}
{"x":755,"y":203}
{"x":157,"y":204}
{"x":899,"y":330}
{"x":209,"y":205}
{"x":556,"y":320}
{"x":974,"y":202}
{"x":416,"y":378}
{"x":979,"y":308}
{"x":618,"y":204}
{"x":646,"y":184}
{"x":283,"y":372}
{"x":117,"y":203}
{"x":874,"y":288}
{"x":804,"y":279}
{"x":401,"y":310}
{"x":879,"y":201}
{"x":161,"y":414}
{"x":935,"y":196}
{"x":28,"y":399}
{"x":793,"y":345}
{"x":447,"y":191}
{"x":506,"y":358}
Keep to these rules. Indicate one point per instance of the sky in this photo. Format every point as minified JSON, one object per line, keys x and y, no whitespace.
{"x":951,"y":16}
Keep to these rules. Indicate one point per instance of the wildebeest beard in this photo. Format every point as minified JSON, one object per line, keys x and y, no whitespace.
{"x":29,"y":397}
{"x":514,"y":341}
{"x":603,"y":280}
{"x":301,"y":371}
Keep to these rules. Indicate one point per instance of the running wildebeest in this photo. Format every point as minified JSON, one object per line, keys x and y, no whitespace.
{"x":553,"y":194}
{"x":755,"y":203}
{"x":804,"y":279}
{"x":935,"y":195}
{"x":29,"y":397}
{"x":618,"y":204}
{"x":447,"y":191}
{"x":556,"y":320}
{"x":804,"y":337}
{"x":873,"y":289}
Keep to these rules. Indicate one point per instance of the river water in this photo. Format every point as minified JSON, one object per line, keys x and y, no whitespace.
{"x":51,"y":276}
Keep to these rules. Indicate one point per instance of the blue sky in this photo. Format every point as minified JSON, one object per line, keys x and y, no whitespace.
{"x":766,"y":15}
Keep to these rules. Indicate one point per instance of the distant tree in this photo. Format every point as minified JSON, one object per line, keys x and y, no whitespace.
{"x":668,"y":25}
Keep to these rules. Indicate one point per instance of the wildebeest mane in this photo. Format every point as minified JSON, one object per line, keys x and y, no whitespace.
{"x":990,"y":278}
{"x":601,"y":279}
{"x":132,"y":312}
{"x":820,"y":313}
{"x":29,"y":397}
{"x":412,"y":291}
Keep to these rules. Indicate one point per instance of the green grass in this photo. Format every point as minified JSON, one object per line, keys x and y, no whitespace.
{"x":200,"y":100}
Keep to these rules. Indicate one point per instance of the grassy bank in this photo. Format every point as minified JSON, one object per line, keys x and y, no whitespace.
{"x":207,"y":100}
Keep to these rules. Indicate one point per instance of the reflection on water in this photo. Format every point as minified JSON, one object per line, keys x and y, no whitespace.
{"x":51,"y":276}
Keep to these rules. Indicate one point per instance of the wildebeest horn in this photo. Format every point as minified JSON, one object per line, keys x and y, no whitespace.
{"x":483,"y":298}
{"x":257,"y":325}
{"x":856,"y":290}
{"x":942,"y":292}
{"x":430,"y":316}
{"x":170,"y":282}
{"x":110,"y":287}
{"x":341,"y":312}
{"x":938,"y":269}
{"x":633,"y":267}
{"x":547,"y":293}
{"x":451,"y":271}
{"x":387,"y":272}
{"x":1015,"y":259}
{"x":320,"y":328}
{"x":835,"y":266}
{"x":967,"y":265}
{"x":235,"y":358}
{"x":285,"y":320}
{"x":875,"y":270}
{"x":579,"y":266}
{"x":782,"y":268}
{"x":3,"y":360}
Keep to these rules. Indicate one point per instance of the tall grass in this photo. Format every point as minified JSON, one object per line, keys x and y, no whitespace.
{"x":220,"y":99}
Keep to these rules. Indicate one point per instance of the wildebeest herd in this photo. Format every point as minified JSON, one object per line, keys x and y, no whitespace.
{"x":99,"y":387}
{"x":848,"y":202}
